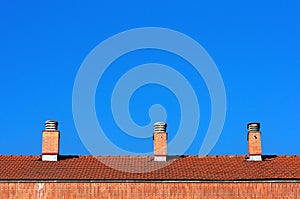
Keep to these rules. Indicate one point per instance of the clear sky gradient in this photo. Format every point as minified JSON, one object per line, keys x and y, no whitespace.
{"x":255,"y":45}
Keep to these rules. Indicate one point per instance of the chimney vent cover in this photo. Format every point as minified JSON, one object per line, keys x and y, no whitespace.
{"x":160,"y":127}
{"x":51,"y":125}
{"x":253,"y":127}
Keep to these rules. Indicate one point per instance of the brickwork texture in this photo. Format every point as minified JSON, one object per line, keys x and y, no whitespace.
{"x":254,"y":143}
{"x":70,"y":190}
{"x":160,"y":144}
{"x":50,"y":143}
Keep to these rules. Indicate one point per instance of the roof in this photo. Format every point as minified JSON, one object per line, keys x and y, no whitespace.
{"x":212,"y":168}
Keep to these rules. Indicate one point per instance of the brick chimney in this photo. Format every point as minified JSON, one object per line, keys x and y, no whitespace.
{"x":254,"y":142}
{"x":50,"y":145}
{"x":160,"y":137}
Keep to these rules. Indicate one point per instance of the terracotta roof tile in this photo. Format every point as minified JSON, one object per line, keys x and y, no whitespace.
{"x":144,"y":168}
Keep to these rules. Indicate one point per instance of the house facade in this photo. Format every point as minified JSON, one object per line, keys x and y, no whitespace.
{"x":52,"y":175}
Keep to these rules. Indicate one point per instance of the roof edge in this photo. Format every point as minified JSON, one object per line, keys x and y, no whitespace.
{"x":154,"y":181}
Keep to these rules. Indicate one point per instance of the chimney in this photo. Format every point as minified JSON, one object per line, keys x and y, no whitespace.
{"x":254,"y":142}
{"x":160,"y":138}
{"x":50,"y":145}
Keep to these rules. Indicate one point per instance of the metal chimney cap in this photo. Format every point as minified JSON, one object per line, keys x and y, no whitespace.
{"x":253,"y":126}
{"x":160,"y":123}
{"x":51,"y":125}
{"x":51,"y":121}
{"x":160,"y":127}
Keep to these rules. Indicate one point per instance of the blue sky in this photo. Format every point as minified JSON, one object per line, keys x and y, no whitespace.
{"x":254,"y":44}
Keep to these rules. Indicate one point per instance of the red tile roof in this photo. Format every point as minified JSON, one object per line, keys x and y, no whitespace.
{"x":217,"y":168}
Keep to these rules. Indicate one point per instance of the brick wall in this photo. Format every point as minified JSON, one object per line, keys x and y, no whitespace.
{"x":50,"y":143}
{"x":254,"y":143}
{"x":160,"y":143}
{"x":150,"y":190}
